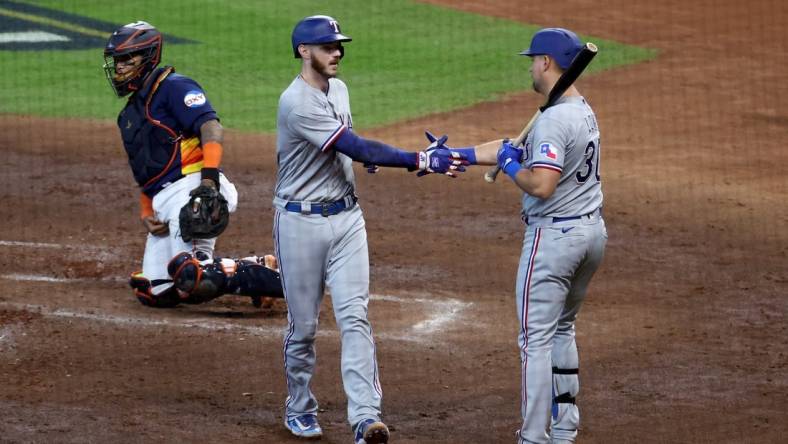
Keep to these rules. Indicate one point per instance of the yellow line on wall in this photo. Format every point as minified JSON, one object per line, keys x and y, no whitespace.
{"x":56,"y":23}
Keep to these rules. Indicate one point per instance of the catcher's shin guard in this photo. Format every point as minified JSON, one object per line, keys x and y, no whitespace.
{"x":203,"y":281}
{"x":143,"y":290}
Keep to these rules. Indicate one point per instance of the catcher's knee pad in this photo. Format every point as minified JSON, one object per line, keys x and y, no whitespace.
{"x":199,"y":281}
{"x":143,"y":290}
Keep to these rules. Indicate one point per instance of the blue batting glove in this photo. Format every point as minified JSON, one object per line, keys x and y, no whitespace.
{"x":438,"y":158}
{"x":468,"y":153}
{"x":441,"y":161}
{"x":434,"y":143}
{"x":509,"y":158}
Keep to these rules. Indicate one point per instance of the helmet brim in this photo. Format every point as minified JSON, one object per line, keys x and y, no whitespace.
{"x":330,"y":39}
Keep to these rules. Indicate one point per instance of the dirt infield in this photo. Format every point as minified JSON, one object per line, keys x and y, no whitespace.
{"x":682,"y":338}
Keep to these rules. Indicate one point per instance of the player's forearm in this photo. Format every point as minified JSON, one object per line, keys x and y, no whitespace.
{"x":211,"y":133}
{"x":146,"y":206}
{"x":371,"y":151}
{"x":482,"y":154}
{"x":486,"y":153}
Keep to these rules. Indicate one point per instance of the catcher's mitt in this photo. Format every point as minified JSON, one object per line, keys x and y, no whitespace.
{"x":205,"y":216}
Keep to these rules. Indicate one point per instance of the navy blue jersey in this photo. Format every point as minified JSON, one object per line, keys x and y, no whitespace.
{"x":160,"y":128}
{"x":180,"y":103}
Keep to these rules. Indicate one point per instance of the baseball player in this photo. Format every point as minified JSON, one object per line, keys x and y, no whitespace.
{"x":319,"y":230}
{"x":172,"y":137}
{"x":565,"y":237}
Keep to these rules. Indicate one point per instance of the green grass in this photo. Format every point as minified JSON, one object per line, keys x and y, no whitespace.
{"x":406,"y":59}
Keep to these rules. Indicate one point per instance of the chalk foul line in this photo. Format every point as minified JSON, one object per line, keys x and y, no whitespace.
{"x":441,"y":314}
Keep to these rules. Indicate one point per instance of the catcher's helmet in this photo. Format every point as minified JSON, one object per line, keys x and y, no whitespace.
{"x":138,"y":38}
{"x":314,"y":30}
{"x":559,"y":43}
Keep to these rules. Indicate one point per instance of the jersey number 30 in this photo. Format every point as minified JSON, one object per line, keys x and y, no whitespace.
{"x":592,"y":163}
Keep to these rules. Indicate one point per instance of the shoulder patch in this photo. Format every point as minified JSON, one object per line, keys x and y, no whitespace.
{"x":548,"y":150}
{"x":194,"y":98}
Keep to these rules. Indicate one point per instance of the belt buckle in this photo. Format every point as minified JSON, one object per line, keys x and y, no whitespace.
{"x":324,"y":210}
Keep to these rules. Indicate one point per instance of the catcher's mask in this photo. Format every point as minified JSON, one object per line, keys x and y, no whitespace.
{"x":128,"y":41}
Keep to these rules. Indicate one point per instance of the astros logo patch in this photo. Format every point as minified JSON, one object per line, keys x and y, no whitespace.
{"x":194,"y":99}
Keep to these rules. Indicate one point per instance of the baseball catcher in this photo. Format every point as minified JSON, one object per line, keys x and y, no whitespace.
{"x":197,"y":281}
{"x":173,"y":140}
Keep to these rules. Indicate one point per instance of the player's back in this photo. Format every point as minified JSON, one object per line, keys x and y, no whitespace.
{"x":565,"y":138}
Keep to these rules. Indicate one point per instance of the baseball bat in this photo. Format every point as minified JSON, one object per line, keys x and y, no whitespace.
{"x":578,"y":65}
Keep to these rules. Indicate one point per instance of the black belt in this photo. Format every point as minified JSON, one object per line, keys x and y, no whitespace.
{"x":324,"y":209}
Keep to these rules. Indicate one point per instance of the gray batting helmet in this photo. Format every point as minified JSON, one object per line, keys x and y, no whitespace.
{"x":316,"y":29}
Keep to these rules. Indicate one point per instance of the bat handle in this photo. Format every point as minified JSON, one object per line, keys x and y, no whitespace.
{"x":491,"y":174}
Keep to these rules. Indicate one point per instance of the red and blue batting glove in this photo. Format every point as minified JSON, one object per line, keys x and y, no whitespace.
{"x":440,"y":158}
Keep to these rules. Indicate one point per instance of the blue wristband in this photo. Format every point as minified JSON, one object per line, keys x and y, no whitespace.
{"x":512,"y":168}
{"x":469,"y":152}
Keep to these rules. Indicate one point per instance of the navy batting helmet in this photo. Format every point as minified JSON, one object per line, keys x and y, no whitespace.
{"x":138,"y":38}
{"x":559,"y":43}
{"x":316,"y":29}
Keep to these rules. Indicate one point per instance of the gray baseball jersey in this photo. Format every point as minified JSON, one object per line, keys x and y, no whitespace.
{"x":563,"y":246}
{"x":308,"y":122}
{"x":565,"y":138}
{"x":322,"y":249}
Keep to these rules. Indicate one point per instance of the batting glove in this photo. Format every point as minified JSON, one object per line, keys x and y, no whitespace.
{"x":438,"y":158}
{"x":509,"y":158}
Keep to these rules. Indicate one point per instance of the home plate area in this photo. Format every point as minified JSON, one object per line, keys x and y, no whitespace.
{"x":411,"y":317}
